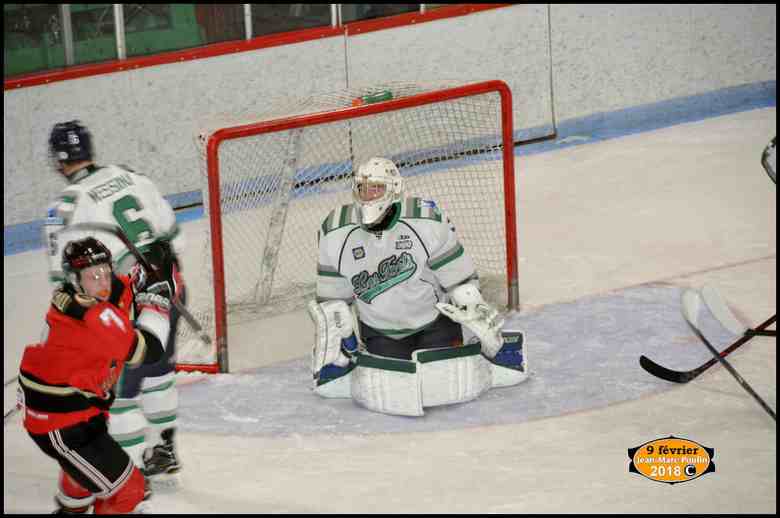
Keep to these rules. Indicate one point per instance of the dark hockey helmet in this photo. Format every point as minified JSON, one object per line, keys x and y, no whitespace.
{"x":81,"y":254}
{"x":70,"y":142}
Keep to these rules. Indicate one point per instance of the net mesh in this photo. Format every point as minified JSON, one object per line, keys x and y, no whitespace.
{"x":277,"y":188}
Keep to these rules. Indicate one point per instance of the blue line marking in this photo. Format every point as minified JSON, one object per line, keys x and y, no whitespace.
{"x":24,"y":237}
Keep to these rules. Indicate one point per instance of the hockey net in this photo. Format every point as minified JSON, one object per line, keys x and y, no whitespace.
{"x":269,"y":184}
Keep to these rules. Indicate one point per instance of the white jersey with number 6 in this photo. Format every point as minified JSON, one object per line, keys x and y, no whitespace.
{"x":116,"y":195}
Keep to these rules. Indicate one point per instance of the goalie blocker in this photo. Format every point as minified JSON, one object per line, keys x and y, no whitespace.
{"x":493,"y":357}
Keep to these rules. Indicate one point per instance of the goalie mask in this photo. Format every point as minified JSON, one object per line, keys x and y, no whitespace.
{"x":69,"y":142}
{"x":92,"y":258}
{"x":376,"y":185}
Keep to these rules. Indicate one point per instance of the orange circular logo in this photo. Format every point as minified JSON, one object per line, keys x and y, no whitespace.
{"x":671,"y":460}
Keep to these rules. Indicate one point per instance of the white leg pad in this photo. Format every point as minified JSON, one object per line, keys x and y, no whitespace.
{"x":335,"y":388}
{"x":387,"y":385}
{"x":452,"y":374}
{"x":506,"y":376}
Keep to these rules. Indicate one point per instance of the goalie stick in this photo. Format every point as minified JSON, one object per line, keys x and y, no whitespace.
{"x":117,"y":232}
{"x":689,"y":294}
{"x":659,"y":371}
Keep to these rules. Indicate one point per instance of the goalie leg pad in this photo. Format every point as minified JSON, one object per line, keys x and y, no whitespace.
{"x":334,"y":345}
{"x":334,"y":381}
{"x":510,"y":364}
{"x":452,"y":374}
{"x":387,"y":385}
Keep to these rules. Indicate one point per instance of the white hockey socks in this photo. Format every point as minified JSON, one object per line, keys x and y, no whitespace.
{"x":127,"y":425}
{"x":160,"y":404}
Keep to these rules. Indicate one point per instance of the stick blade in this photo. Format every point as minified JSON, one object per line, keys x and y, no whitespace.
{"x":690,"y":305}
{"x":662,"y":372}
{"x":721,"y":311}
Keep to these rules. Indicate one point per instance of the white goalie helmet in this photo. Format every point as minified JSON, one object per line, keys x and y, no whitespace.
{"x":376,"y":185}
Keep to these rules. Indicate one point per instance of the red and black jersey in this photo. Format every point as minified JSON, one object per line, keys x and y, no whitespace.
{"x":85,"y":349}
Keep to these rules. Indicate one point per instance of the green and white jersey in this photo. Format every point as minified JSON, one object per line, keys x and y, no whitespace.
{"x":115,"y":195}
{"x":395,"y":277}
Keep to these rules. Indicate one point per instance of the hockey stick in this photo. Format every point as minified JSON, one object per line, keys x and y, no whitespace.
{"x":725,"y":317}
{"x":118,"y":233}
{"x":10,"y":413}
{"x":659,"y":371}
{"x":768,"y":157}
{"x":14,"y":408}
{"x":719,"y":357}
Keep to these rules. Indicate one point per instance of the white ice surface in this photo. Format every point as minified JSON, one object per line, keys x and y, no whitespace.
{"x":688,"y":205}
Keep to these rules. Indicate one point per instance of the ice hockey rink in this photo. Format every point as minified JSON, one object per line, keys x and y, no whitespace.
{"x":610,"y":231}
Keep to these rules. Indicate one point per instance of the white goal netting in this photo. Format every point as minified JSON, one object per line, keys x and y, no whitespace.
{"x":276,"y":188}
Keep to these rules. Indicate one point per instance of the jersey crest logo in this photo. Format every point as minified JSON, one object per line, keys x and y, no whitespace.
{"x":391,"y":272}
{"x":358,"y":253}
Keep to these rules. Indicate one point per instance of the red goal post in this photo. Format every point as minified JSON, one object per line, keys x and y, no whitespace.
{"x":266,"y":177}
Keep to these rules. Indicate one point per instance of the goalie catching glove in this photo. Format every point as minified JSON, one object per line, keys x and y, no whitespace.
{"x":470,"y":309}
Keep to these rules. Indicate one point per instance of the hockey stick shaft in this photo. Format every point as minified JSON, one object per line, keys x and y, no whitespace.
{"x":662,"y":372}
{"x":117,"y":232}
{"x":10,"y":413}
{"x":719,"y":357}
{"x":750,"y":333}
{"x":14,"y":408}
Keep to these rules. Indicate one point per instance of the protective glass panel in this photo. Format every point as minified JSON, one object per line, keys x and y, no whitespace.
{"x":273,"y":18}
{"x":355,"y":12}
{"x":94,"y":33}
{"x":33,"y":38}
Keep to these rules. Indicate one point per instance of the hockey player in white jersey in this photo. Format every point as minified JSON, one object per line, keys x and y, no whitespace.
{"x":415,"y":293}
{"x":143,"y":416}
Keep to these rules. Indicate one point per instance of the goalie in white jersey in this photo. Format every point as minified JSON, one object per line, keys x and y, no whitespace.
{"x":116,"y":195}
{"x":399,"y":263}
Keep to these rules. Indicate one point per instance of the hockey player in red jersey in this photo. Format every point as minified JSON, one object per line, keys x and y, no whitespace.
{"x":67,"y":380}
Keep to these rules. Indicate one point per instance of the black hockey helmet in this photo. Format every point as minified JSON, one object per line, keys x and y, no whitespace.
{"x":70,"y":142}
{"x":81,"y":254}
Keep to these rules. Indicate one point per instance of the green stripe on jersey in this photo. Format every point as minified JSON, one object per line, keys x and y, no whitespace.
{"x":417,"y":208}
{"x":446,"y":258}
{"x":327,"y":271}
{"x":338,"y":218}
